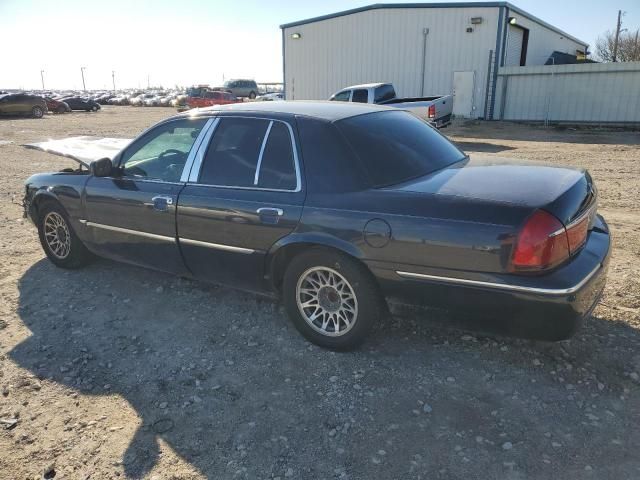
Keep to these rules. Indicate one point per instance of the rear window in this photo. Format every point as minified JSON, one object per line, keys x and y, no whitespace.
{"x":395,"y":147}
{"x":384,"y":93}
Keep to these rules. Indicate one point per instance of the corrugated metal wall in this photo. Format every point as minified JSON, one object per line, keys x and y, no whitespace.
{"x":386,"y":45}
{"x":595,"y":93}
{"x":543,"y":41}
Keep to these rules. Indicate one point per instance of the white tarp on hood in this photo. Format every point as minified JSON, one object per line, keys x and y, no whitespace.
{"x":83,"y":149}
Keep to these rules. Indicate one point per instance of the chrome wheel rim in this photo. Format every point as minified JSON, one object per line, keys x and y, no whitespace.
{"x":57,"y":235}
{"x":326,"y":301}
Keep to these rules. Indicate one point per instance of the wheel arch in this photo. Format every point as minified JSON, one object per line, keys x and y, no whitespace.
{"x":41,"y":198}
{"x":283,"y":251}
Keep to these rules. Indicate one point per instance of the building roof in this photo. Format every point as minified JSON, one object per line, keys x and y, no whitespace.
{"x":324,"y":110}
{"x":379,"y":6}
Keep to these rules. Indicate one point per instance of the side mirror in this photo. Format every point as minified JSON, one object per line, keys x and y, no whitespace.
{"x":101,"y":168}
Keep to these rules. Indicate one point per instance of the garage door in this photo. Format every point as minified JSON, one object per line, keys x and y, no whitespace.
{"x":515,"y":38}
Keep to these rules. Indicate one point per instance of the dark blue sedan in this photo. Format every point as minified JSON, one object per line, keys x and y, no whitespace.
{"x":337,"y":209}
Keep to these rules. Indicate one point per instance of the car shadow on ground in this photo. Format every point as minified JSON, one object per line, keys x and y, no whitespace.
{"x":482,"y":147}
{"x":223,"y":378}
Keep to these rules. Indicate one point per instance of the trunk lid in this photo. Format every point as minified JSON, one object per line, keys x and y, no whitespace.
{"x":567,"y":193}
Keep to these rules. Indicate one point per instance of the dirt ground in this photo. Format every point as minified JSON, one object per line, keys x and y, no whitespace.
{"x":118,"y":372}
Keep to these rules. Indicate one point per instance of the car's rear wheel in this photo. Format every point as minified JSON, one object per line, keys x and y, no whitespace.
{"x":37,"y":112}
{"x":331,"y":299}
{"x":94,"y":108}
{"x":59,"y":241}
{"x":252,"y":95}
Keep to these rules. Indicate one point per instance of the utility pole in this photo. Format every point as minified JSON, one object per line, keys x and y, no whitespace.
{"x":615,"y":42}
{"x":113,"y":79}
{"x":147,"y":81}
{"x":42,"y":71}
{"x":84,"y":87}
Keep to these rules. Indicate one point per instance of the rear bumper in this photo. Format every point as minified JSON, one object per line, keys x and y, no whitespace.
{"x":549,"y":307}
{"x":441,"y":122}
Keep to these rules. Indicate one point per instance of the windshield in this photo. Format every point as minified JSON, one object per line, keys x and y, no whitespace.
{"x":395,"y":147}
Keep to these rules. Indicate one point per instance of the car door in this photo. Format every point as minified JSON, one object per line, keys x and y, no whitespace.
{"x":131,"y":214}
{"x":244,"y":194}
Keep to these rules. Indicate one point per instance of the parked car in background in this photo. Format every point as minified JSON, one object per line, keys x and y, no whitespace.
{"x":437,"y":110}
{"x":336,"y":208}
{"x":270,"y":97}
{"x":22,"y":104}
{"x":211,"y":97}
{"x":79,"y":103}
{"x":57,"y":106}
{"x":242,"y":88}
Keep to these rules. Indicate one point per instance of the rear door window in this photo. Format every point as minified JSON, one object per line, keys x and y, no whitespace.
{"x":360,"y":96}
{"x":277,"y":167}
{"x":232,"y":156}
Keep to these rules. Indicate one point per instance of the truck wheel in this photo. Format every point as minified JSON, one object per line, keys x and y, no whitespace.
{"x":252,"y":95}
{"x":37,"y":112}
{"x":59,"y":241}
{"x":331,"y":299}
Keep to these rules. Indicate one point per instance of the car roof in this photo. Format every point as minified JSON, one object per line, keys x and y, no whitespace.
{"x":325,"y":110}
{"x":365,"y":85}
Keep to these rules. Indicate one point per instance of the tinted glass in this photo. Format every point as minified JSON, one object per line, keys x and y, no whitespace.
{"x":232,"y":156}
{"x":162,"y":153}
{"x":396,"y":146}
{"x":360,"y":96}
{"x":384,"y":93}
{"x":342,"y":96}
{"x":329,"y":165}
{"x":277,"y":169}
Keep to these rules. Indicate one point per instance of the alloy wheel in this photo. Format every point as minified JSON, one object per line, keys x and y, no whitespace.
{"x":326,"y":301}
{"x":57,"y":235}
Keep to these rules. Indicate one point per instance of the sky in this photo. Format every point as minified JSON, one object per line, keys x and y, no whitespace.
{"x":186,"y":42}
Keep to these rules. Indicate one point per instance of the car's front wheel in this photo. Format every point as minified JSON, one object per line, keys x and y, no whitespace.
{"x":61,"y":109}
{"x":331,"y":299}
{"x":94,"y":108}
{"x":252,"y":95}
{"x":37,"y":112}
{"x":59,"y":241}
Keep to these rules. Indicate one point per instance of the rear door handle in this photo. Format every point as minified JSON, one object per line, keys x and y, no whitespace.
{"x":277,"y":212}
{"x":162,"y":202}
{"x":270,"y":215}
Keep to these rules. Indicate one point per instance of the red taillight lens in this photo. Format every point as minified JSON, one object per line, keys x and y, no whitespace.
{"x":542,"y":243}
{"x":432,"y":111}
{"x":577,"y":233}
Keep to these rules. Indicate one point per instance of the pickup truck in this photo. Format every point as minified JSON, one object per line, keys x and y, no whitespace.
{"x":436,"y":110}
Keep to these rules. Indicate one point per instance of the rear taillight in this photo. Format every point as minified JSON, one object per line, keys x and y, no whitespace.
{"x":541,"y":244}
{"x":577,"y":233}
{"x":432,"y":111}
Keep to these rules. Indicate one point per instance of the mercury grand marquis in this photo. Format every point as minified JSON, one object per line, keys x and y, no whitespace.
{"x":337,"y":209}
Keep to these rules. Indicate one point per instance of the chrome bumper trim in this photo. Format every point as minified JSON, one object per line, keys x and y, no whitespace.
{"x":217,"y":246}
{"x":502,"y":286}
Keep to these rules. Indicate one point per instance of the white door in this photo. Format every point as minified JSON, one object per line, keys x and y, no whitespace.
{"x":463,"y":85}
{"x":515,"y":39}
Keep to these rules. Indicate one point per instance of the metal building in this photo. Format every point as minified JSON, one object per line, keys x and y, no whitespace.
{"x":422,"y":48}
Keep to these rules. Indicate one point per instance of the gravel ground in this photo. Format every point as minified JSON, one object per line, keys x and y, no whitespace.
{"x":118,"y":372}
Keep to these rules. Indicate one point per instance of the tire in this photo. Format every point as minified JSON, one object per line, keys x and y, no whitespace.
{"x":252,"y":95}
{"x":351,"y":309}
{"x":73,"y":254}
{"x":94,"y":109}
{"x":37,"y":112}
{"x":61,"y":109}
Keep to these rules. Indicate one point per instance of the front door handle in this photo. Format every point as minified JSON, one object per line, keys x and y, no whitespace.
{"x":162,"y":202}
